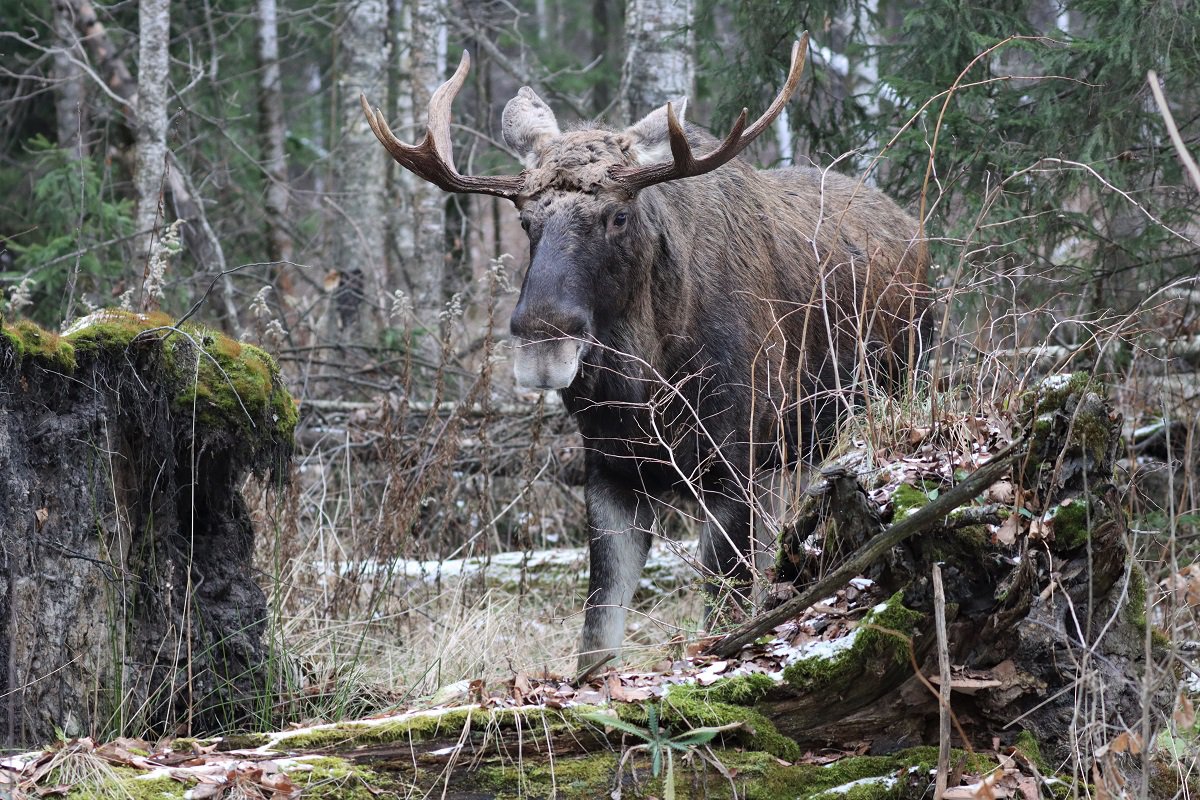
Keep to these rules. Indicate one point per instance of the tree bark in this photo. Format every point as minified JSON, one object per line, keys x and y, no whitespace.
{"x":357,"y":240}
{"x":150,"y":132}
{"x":426,"y":271}
{"x":272,"y":130}
{"x":659,"y":63}
{"x":128,"y":598}
{"x":70,"y":111}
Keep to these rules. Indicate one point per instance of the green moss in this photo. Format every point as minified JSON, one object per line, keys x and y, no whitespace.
{"x":766,"y":779}
{"x":871,"y":645}
{"x":156,"y":788}
{"x":28,"y":341}
{"x":423,"y":727}
{"x":125,"y":783}
{"x":234,"y":389}
{"x":741,"y":690}
{"x":1052,"y":392}
{"x":1136,"y":606}
{"x":588,"y":776}
{"x":114,"y":331}
{"x":1071,"y":529}
{"x":231,"y":385}
{"x":690,"y":706}
{"x":1027,"y":743}
{"x":237,"y":741}
{"x":757,"y":776}
{"x":907,"y":499}
{"x":1090,"y":433}
{"x":338,"y":779}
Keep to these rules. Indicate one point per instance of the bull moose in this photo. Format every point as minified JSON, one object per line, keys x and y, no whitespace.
{"x":705,"y":321}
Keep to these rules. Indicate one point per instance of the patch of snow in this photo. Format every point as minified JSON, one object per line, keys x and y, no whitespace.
{"x":862,"y":583}
{"x":445,"y":751}
{"x":789,"y":653}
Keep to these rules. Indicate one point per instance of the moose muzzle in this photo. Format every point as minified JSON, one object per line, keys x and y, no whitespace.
{"x":552,"y":323}
{"x":546,"y":363}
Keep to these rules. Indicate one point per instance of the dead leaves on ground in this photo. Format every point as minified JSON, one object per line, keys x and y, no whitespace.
{"x":207,"y":773}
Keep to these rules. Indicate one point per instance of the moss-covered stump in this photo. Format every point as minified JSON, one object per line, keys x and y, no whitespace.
{"x":126,"y":598}
{"x":1044,"y":600}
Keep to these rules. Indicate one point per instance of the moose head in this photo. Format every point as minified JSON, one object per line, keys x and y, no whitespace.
{"x":589,"y":241}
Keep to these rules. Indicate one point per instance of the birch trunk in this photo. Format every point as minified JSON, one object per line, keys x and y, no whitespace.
{"x":272,"y":131}
{"x":659,"y":64}
{"x":358,"y":170}
{"x":69,"y":94}
{"x":150,"y":130}
{"x":427,"y":57}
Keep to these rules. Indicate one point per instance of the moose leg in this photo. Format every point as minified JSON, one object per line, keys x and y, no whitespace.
{"x":725,"y":556}
{"x":619,"y":522}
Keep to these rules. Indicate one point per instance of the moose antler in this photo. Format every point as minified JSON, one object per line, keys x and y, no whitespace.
{"x":686,"y":165}
{"x":432,"y":159}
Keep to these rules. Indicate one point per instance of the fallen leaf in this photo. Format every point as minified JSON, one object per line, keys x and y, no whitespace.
{"x":40,"y":516}
{"x":1185,"y":712}
{"x":1002,"y":492}
{"x":1125,"y":742}
{"x":520,"y":687}
{"x":1006,"y":534}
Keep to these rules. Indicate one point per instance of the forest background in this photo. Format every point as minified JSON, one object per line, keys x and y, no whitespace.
{"x":211,"y":158}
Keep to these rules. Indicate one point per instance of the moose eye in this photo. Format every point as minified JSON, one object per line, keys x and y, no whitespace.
{"x":619,"y":219}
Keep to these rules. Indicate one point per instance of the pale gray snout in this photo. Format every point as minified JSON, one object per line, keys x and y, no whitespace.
{"x":546,"y":363}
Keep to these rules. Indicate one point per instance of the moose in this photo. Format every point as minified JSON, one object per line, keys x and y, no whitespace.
{"x":706,"y":323}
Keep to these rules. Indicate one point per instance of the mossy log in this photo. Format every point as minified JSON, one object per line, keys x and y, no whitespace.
{"x":1050,"y":610}
{"x":127,"y":597}
{"x":539,"y":753}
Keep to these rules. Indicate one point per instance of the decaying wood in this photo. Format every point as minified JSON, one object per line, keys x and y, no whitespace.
{"x":1039,"y":617}
{"x":921,"y":520}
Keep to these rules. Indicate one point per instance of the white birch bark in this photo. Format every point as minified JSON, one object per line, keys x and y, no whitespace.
{"x":69,"y":89}
{"x":427,"y":62}
{"x":359,"y":168}
{"x":400,"y":211}
{"x":272,"y":132}
{"x":659,"y":62}
{"x":150,"y":125}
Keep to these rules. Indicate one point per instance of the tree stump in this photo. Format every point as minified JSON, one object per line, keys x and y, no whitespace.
{"x":127,"y":597}
{"x":1047,"y":608}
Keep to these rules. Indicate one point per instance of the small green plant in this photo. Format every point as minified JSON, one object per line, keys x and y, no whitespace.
{"x":657,"y":743}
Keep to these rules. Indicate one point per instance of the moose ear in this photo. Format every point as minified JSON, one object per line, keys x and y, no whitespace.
{"x":648,"y":138}
{"x":526,"y":123}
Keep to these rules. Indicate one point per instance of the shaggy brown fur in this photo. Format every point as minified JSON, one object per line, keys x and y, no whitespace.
{"x":725,"y":318}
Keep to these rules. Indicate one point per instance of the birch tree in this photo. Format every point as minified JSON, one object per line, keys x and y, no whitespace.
{"x":426,"y":268}
{"x":272,"y":131}
{"x":70,"y":111}
{"x":659,"y":62}
{"x":358,"y":233}
{"x":150,"y":128}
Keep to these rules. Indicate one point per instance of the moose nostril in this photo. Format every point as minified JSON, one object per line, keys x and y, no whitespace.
{"x":533,"y":324}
